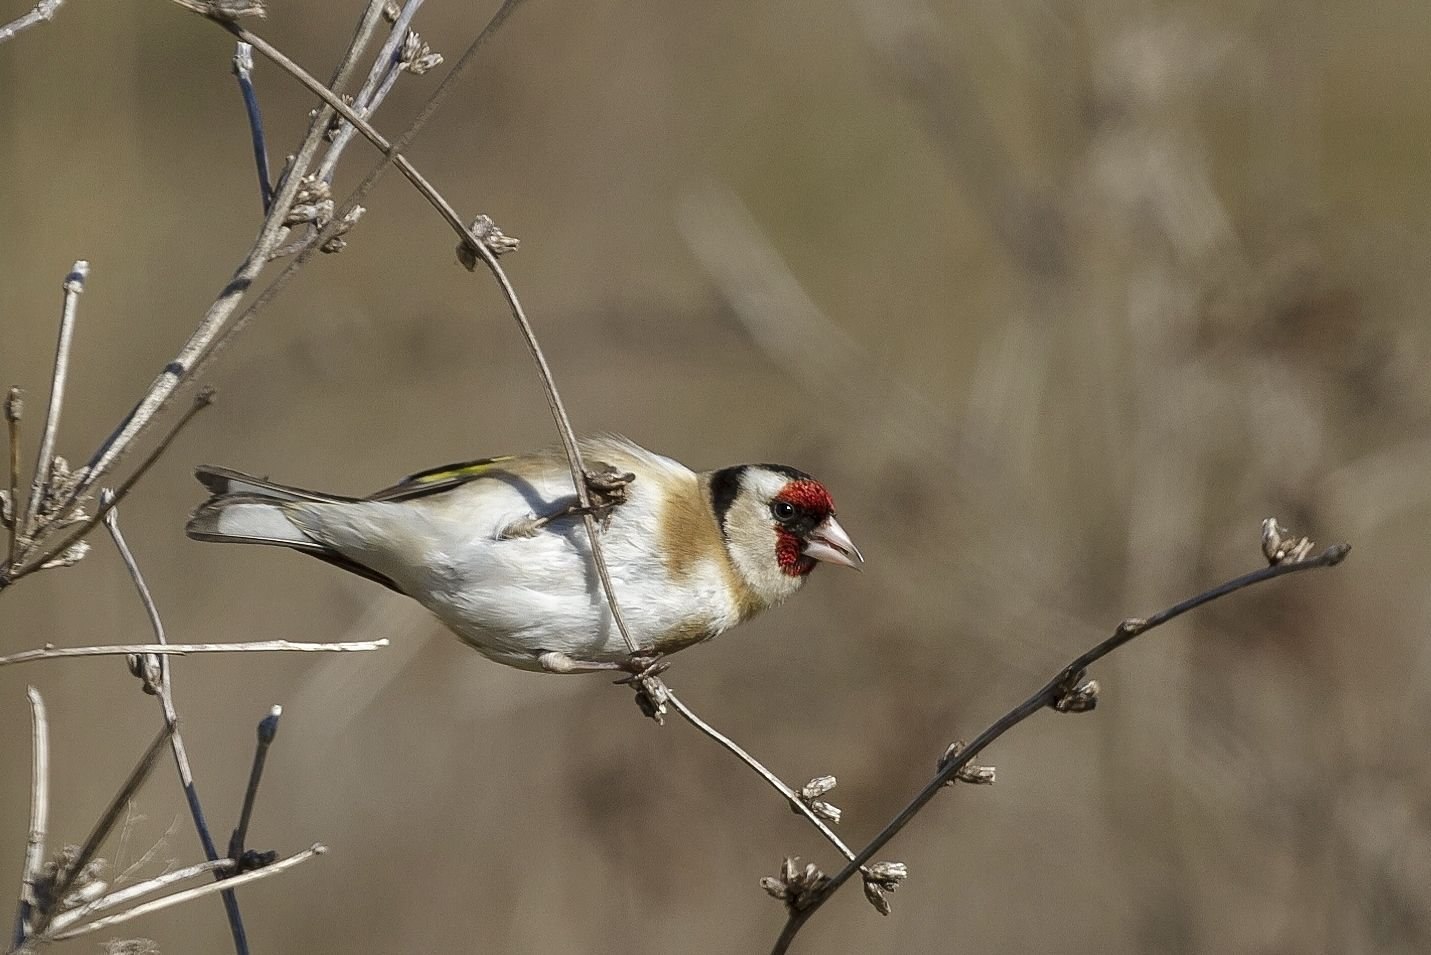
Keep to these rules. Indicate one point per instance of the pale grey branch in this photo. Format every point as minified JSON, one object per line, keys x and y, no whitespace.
{"x":51,"y":652}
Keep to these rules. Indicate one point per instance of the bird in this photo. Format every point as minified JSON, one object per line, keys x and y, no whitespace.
{"x":497,"y":549}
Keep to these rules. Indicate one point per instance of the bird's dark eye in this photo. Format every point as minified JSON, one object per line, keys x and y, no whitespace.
{"x":783,"y":510}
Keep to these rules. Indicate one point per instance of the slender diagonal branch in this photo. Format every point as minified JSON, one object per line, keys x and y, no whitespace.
{"x":1054,"y":694}
{"x":188,"y":895}
{"x":12,"y":573}
{"x":42,"y":12}
{"x":372,"y":92}
{"x":50,"y":652}
{"x":267,"y":730}
{"x":123,"y":896}
{"x":796,"y":803}
{"x":162,"y":686}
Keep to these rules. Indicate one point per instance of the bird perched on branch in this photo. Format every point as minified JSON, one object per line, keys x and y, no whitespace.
{"x":497,"y":548}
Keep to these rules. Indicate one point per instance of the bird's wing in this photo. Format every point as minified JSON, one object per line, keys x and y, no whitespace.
{"x":443,"y":478}
{"x":600,"y":450}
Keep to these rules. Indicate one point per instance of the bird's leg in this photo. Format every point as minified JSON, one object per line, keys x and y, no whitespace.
{"x":606,"y":489}
{"x":554,"y":661}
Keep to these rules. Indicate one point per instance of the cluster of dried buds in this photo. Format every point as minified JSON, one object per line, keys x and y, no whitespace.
{"x":82,"y":888}
{"x":417,"y":57}
{"x":484,"y":230}
{"x":882,"y":877}
{"x":1281,"y":546}
{"x":968,"y":773}
{"x":810,"y":794}
{"x":795,"y":885}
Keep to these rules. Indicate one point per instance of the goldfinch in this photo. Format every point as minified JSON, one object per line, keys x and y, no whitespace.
{"x":497,"y":550}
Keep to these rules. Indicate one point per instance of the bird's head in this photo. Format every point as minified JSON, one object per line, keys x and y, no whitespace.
{"x":778,"y":523}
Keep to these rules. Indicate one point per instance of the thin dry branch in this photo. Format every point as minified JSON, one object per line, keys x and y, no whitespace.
{"x":73,"y":868}
{"x":10,"y":507}
{"x":796,"y":803}
{"x":61,"y":552}
{"x":155,"y":671}
{"x":39,"y":814}
{"x":188,"y":895}
{"x":51,"y":652}
{"x":123,"y":896}
{"x":40,"y":485}
{"x":1067,"y":691}
{"x":243,"y":73}
{"x":42,"y":12}
{"x":267,"y":730}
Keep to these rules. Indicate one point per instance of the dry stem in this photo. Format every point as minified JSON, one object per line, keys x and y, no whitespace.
{"x":51,"y":652}
{"x":162,"y":687}
{"x":39,"y":814}
{"x":188,"y":895}
{"x":42,"y":12}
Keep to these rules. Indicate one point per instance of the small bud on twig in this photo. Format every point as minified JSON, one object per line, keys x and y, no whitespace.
{"x":876,"y":898}
{"x":1280,"y":546}
{"x":882,"y":877}
{"x":417,"y":58}
{"x":484,"y":230}
{"x":810,"y":794}
{"x":968,"y":773}
{"x":1080,"y":699}
{"x":795,"y":884}
{"x":652,"y":697}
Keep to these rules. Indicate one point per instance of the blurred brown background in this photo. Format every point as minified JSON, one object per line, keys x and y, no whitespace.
{"x":1061,"y":299}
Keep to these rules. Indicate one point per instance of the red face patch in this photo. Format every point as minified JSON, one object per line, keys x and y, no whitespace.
{"x":809,"y":496}
{"x":812,"y":504}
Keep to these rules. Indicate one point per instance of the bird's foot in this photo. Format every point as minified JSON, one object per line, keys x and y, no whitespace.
{"x":606,"y":489}
{"x":644,"y":678}
{"x":642,"y":666}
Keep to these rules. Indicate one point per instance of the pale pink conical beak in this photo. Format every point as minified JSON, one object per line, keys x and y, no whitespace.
{"x":830,"y":543}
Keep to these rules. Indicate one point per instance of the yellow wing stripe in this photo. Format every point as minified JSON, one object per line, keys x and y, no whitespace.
{"x":456,"y":472}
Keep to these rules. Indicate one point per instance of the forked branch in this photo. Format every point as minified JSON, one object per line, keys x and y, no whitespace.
{"x":1067,"y":691}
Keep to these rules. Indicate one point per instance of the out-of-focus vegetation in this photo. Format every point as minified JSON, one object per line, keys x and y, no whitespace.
{"x":1060,"y":299}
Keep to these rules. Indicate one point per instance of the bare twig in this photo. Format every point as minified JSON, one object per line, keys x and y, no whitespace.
{"x":796,"y":803}
{"x":39,"y":814}
{"x":188,"y":895}
{"x":11,"y":573}
{"x":65,"y":878}
{"x":40,"y":485}
{"x":51,"y":652}
{"x":155,"y":671}
{"x":243,"y":72}
{"x":1067,"y":691}
{"x":374,"y":89}
{"x":267,"y":730}
{"x":14,"y":409}
{"x":42,"y":12}
{"x":123,"y":896}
